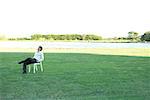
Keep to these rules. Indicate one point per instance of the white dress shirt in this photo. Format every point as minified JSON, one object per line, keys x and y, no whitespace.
{"x":39,"y":56}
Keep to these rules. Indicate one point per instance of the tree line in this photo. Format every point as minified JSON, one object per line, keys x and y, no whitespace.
{"x":65,"y":37}
{"x":133,"y":36}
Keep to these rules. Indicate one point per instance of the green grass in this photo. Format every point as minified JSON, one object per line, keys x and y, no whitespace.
{"x":74,"y":76}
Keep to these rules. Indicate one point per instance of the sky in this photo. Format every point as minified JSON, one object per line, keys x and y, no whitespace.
{"x":108,"y":18}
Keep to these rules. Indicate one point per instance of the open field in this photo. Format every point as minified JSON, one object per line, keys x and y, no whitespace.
{"x":107,"y":51}
{"x":76,"y":76}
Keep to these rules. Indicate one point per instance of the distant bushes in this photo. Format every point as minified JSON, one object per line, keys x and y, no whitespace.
{"x":145,"y":36}
{"x":65,"y":37}
{"x":132,"y":37}
{"x":19,"y":39}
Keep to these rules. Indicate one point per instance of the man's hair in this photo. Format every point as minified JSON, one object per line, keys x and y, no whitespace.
{"x":41,"y":48}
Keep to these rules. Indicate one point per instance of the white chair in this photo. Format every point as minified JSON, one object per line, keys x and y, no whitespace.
{"x":35,"y":67}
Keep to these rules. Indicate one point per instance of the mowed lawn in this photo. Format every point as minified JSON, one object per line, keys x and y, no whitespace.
{"x":75,"y":76}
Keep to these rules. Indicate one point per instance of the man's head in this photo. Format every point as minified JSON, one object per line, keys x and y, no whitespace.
{"x":40,"y":48}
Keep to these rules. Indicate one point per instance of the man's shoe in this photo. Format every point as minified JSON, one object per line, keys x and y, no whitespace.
{"x":24,"y":73}
{"x":19,"y":62}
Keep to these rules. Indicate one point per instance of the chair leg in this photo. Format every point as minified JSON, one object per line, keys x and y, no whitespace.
{"x":34,"y":67}
{"x":41,"y":67}
{"x":29,"y":68}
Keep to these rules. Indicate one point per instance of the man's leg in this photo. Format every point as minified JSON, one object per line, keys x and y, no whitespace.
{"x":27,"y":62}
{"x":24,"y":68}
{"x":24,"y":60}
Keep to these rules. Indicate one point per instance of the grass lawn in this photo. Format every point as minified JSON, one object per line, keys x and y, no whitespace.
{"x":75,"y":76}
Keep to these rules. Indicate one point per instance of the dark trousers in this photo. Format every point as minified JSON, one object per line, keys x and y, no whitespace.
{"x":27,"y":62}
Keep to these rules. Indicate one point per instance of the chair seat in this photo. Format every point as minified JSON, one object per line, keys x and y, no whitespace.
{"x":35,"y":68}
{"x":37,"y":63}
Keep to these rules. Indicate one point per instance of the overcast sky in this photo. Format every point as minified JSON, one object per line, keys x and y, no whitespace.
{"x":104,"y":17}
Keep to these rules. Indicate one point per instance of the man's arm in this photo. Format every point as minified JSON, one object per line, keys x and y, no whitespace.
{"x":42,"y":57}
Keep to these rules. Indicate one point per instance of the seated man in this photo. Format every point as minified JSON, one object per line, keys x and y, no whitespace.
{"x":38,"y":57}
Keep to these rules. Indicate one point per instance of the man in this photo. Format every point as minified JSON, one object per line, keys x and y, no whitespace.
{"x":38,"y":57}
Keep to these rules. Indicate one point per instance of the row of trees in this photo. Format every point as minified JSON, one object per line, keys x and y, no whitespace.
{"x":134,"y":36}
{"x":65,"y":37}
{"x":131,"y":36}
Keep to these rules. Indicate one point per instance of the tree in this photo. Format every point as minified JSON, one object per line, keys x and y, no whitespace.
{"x":133,"y":35}
{"x":92,"y":37}
{"x":145,"y":36}
{"x":79,"y":37}
{"x":61,"y":37}
{"x":36,"y":36}
{"x":46,"y":37}
{"x":68,"y":37}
